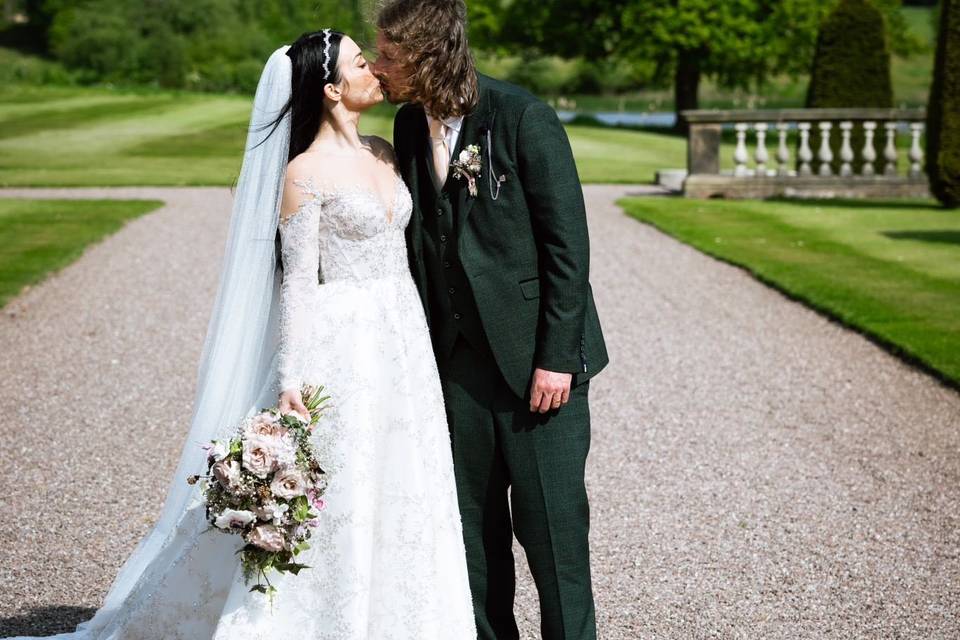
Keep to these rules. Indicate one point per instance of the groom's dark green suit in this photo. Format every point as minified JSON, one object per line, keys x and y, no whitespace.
{"x":503,"y":277}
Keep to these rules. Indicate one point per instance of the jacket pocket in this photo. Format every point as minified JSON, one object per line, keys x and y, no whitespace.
{"x":530,"y":288}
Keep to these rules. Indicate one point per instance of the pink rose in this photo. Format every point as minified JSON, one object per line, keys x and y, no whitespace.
{"x":258,"y":456}
{"x":264,"y":424}
{"x":267,"y":537}
{"x":288,"y":484}
{"x":227,"y":473}
{"x":267,"y":446}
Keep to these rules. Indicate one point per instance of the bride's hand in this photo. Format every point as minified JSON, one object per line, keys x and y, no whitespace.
{"x":292,"y":401}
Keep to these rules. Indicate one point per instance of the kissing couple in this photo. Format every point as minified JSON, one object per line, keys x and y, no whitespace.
{"x":438,"y":288}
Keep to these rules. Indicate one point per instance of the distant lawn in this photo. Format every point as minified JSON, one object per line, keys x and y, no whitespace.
{"x":41,"y":236}
{"x":890,"y":270}
{"x":56,"y":136}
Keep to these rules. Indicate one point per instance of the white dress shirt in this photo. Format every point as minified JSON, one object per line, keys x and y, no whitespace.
{"x":453,"y":124}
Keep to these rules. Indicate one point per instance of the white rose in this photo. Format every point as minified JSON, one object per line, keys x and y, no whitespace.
{"x":272,"y":511}
{"x":266,"y":417}
{"x":218,"y":451}
{"x":465,"y":155}
{"x":231,"y":518}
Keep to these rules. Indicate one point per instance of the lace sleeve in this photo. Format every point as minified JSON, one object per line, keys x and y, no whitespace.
{"x":300,"y":253}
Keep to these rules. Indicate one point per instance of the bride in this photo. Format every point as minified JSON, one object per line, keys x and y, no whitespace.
{"x":338,"y":308}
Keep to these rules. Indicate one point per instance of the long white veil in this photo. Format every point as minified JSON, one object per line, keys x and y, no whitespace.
{"x":237,"y":366}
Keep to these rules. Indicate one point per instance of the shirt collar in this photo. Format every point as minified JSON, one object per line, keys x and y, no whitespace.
{"x":453,"y":122}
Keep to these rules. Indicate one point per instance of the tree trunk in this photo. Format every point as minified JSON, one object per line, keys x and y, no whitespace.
{"x":686,"y":84}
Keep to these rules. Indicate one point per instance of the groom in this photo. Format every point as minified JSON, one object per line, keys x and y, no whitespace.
{"x":499,"y":251}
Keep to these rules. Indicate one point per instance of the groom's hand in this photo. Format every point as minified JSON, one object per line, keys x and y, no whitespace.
{"x":549,"y":390}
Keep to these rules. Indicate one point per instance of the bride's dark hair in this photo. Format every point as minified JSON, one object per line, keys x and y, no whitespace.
{"x":310,"y":62}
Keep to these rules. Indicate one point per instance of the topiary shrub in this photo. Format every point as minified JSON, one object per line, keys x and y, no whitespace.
{"x":943,"y":110}
{"x":851,"y":69}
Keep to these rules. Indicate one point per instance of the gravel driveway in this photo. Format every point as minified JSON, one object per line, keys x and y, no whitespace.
{"x":756,"y":470}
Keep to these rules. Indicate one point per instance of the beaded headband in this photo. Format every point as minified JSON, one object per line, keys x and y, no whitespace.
{"x":326,"y":54}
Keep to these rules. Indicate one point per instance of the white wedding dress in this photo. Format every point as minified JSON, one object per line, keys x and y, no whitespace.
{"x":387,"y":561}
{"x":388,"y":558}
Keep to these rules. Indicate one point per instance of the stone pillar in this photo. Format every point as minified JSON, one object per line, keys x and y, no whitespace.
{"x":703,"y":148}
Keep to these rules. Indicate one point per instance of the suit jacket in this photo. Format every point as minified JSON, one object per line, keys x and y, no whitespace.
{"x":525,"y":252}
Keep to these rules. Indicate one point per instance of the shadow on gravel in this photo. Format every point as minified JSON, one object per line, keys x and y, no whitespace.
{"x":45,"y":621}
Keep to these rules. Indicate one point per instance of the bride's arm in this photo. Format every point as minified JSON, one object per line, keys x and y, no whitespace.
{"x":300,"y":256}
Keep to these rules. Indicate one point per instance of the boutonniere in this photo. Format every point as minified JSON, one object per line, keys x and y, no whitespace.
{"x":467,"y":165}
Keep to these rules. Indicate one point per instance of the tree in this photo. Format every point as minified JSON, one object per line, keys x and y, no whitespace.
{"x":740,"y":43}
{"x":216,"y":45}
{"x":943,"y":110}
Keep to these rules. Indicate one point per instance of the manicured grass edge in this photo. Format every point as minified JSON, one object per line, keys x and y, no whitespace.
{"x":147,"y":206}
{"x":900,"y":351}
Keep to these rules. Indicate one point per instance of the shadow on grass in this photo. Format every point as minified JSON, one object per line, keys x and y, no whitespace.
{"x":656,"y":194}
{"x":219,"y":141}
{"x":945,"y":236}
{"x":45,"y":621}
{"x":855,"y":203}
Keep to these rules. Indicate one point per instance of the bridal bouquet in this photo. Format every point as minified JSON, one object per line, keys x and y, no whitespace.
{"x":265,"y":484}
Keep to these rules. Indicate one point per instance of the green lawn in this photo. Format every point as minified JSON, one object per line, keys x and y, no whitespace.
{"x":890,"y":270}
{"x":56,"y":136}
{"x":40,"y":236}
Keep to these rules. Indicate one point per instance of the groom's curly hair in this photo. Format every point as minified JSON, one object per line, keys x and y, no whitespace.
{"x":430,"y":37}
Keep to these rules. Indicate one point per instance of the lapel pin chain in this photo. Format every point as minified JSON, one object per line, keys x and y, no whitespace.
{"x":502,"y":177}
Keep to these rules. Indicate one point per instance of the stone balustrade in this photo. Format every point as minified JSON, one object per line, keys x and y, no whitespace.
{"x":806,"y":164}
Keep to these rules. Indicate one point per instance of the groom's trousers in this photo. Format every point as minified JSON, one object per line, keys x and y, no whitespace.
{"x":498,"y":443}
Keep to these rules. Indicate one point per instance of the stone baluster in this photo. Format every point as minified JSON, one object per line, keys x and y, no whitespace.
{"x":869,"y":153}
{"x":805,"y":154}
{"x":825,"y":154}
{"x":846,"y":151}
{"x":761,"y":155}
{"x":740,"y":155}
{"x":890,"y":150}
{"x":783,"y":153}
{"x":916,"y":153}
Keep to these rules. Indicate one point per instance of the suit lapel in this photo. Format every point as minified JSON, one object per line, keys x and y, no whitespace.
{"x":423,"y":155}
{"x":473,"y":131}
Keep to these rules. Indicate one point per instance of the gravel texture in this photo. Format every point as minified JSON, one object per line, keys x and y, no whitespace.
{"x":757,"y":471}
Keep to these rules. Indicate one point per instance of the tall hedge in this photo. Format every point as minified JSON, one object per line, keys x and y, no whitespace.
{"x":943,"y":110}
{"x":851,"y":69}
